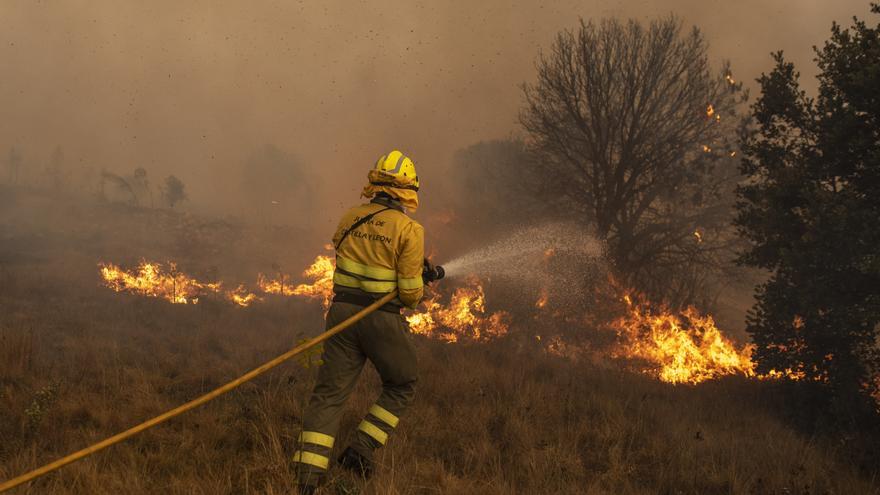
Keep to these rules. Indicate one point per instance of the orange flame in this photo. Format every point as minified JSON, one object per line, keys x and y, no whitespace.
{"x":151,"y":280}
{"x":541,"y":303}
{"x":321,"y":274}
{"x":684,"y":348}
{"x":280,"y":286}
{"x":242,"y":296}
{"x":465,"y":317}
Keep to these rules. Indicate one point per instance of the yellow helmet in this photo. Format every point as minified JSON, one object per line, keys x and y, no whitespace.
{"x":401,"y":168}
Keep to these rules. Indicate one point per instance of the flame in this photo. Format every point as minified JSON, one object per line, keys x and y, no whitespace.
{"x":706,"y":149}
{"x":687,"y":347}
{"x":280,"y":286}
{"x":321,"y":274}
{"x":684,"y":348}
{"x":542,"y":301}
{"x":730,"y":80}
{"x":152,"y":280}
{"x":242,"y":296}
{"x":465,"y":317}
{"x":698,"y":236}
{"x":710,"y":110}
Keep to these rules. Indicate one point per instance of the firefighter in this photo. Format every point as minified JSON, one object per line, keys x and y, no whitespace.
{"x":379,"y":248}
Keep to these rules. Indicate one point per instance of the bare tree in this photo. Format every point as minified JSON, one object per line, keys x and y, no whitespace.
{"x":635,"y":136}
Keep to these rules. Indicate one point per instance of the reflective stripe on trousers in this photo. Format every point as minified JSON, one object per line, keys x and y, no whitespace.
{"x":384,"y":339}
{"x":314,"y":449}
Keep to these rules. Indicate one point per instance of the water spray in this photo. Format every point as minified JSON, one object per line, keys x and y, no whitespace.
{"x":522,"y":254}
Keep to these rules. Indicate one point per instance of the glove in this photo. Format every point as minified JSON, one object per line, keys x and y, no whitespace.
{"x":432,"y":273}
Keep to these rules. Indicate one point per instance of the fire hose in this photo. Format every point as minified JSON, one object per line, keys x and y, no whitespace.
{"x":48,"y":468}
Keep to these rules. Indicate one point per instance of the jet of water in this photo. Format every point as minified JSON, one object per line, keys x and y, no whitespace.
{"x":559,"y":261}
{"x":525,"y":253}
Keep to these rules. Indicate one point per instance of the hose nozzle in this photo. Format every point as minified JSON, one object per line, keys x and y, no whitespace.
{"x":432,"y":273}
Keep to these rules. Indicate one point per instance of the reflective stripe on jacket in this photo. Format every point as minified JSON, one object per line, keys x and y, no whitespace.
{"x":383,"y":254}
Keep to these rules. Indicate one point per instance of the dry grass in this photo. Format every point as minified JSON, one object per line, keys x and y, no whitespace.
{"x":78,"y":363}
{"x":489,"y":419}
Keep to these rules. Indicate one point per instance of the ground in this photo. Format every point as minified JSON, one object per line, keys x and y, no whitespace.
{"x":79,"y":362}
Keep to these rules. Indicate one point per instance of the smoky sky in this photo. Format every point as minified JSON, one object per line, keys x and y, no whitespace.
{"x":194,"y":88}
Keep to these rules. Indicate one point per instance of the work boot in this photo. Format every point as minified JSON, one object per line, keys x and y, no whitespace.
{"x":355,"y":462}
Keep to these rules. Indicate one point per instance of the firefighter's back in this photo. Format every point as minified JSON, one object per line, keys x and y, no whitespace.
{"x":381,"y":254}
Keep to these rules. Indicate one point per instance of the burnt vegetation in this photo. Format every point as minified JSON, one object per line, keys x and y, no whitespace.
{"x":628,"y":132}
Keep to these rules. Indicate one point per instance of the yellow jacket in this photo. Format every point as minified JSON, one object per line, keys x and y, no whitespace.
{"x":382,"y":254}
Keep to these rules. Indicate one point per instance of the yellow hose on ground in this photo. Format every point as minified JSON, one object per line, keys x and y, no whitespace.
{"x":250,"y":375}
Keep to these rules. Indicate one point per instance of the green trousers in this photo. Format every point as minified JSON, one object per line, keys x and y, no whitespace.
{"x":381,"y":337}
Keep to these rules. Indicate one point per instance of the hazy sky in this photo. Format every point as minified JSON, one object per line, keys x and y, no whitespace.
{"x":193,"y":87}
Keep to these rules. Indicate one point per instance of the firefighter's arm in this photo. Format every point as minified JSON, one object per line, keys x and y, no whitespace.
{"x":409,"y":265}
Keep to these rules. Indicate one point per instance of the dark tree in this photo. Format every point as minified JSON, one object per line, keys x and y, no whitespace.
{"x":811,"y":213}
{"x":173,"y":191}
{"x":632,"y":130}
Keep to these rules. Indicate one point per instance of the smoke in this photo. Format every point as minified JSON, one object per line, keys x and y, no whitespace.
{"x":196,"y":88}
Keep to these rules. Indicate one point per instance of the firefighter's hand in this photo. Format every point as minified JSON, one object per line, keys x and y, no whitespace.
{"x":432,"y":273}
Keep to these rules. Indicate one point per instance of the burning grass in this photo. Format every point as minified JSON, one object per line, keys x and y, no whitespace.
{"x":154,"y":279}
{"x":320,"y":274}
{"x":685,"y":347}
{"x":678,"y":348}
{"x":464,"y":318}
